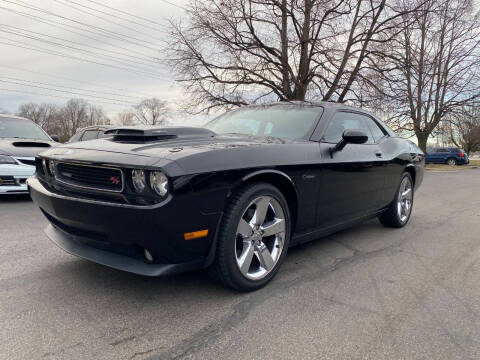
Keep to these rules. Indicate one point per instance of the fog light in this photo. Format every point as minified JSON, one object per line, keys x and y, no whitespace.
{"x":147,"y":255}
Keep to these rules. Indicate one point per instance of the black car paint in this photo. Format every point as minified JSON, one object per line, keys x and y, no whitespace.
{"x":325,"y":192}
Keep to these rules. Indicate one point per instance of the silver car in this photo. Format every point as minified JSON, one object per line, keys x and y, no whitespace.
{"x":20,"y":141}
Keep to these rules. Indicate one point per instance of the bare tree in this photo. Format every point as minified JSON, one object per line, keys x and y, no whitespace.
{"x":432,"y":68}
{"x":42,"y":114}
{"x":151,"y":112}
{"x":126,"y":118}
{"x":96,"y":116}
{"x":235,"y":52}
{"x":464,"y":128}
{"x":74,"y":115}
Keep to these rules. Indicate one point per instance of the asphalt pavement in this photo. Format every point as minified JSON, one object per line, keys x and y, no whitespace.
{"x":365,"y":293}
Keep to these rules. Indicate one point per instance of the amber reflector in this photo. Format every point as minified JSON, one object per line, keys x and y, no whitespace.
{"x":195,"y":234}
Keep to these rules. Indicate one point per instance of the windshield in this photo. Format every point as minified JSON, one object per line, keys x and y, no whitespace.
{"x":287,"y":122}
{"x":18,"y":128}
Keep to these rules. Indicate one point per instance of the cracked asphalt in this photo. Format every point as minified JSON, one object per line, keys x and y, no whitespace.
{"x":365,"y":293}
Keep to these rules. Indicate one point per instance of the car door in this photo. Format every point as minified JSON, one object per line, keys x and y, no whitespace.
{"x":353,"y":179}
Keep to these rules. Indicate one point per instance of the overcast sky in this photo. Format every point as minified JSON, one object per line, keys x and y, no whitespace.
{"x":66,"y":44}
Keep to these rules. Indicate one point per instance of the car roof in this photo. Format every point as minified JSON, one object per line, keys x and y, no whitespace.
{"x":14,"y":117}
{"x":324,"y":104}
{"x":95,"y":127}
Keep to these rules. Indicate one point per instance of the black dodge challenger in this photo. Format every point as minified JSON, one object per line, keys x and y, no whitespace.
{"x":232,"y":196}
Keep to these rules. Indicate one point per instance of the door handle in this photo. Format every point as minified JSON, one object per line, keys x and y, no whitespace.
{"x":378,"y":153}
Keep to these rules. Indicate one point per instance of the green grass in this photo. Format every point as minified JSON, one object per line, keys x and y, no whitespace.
{"x":445,"y":167}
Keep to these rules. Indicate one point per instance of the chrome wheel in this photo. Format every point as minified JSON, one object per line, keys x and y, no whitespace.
{"x":452,"y":162}
{"x":260,"y":237}
{"x":405,"y":199}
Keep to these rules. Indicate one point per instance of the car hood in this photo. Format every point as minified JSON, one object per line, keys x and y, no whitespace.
{"x":192,"y":155}
{"x":20,"y":147}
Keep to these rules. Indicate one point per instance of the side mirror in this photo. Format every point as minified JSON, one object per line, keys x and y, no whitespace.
{"x":55,"y":138}
{"x":350,"y":137}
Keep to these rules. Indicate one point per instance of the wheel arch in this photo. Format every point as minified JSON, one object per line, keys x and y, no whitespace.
{"x":411,"y":170}
{"x":281,"y":181}
{"x":277,"y":178}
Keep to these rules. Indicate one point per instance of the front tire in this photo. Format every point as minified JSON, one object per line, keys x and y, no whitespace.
{"x":400,"y":209}
{"x":253,"y":238}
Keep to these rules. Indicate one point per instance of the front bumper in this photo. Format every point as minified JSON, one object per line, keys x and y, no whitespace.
{"x":19,"y":175}
{"x":115,"y":235}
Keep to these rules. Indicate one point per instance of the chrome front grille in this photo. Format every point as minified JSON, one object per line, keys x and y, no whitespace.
{"x":89,"y":177}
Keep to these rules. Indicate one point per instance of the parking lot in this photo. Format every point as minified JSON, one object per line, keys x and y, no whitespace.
{"x":365,"y":293}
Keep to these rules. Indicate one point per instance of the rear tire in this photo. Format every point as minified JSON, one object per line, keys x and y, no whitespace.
{"x":451,"y":161}
{"x":400,"y":209}
{"x":253,"y":238}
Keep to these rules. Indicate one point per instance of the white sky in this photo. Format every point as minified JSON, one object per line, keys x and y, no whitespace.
{"x":144,"y":35}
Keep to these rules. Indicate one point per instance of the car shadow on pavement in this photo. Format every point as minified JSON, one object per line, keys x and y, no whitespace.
{"x":14,"y":198}
{"x":313,"y":257}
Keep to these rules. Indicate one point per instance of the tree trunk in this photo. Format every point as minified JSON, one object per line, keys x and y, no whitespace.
{"x":422,"y":138}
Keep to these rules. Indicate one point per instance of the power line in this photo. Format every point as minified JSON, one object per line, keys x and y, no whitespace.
{"x":74,"y":80}
{"x":82,"y":44}
{"x":111,"y":15}
{"x":65,"y":27}
{"x":71,"y":87}
{"x":133,"y":64}
{"x":176,"y":5}
{"x":53,"y":52}
{"x":35,"y":8}
{"x":67,"y":92}
{"x":124,"y":12}
{"x":103,"y":18}
{"x":59,"y":96}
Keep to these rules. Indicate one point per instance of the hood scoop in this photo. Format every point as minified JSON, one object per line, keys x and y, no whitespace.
{"x":144,"y":134}
{"x":30,"y":144}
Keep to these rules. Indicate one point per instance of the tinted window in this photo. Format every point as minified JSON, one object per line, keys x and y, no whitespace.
{"x":375,"y":129}
{"x":19,"y":128}
{"x":89,"y":135}
{"x":101,"y":134}
{"x":286,"y":122}
{"x":342,"y":121}
{"x":75,"y":137}
{"x":442,"y":150}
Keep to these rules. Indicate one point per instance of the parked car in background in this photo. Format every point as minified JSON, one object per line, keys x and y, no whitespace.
{"x":20,"y":141}
{"x":446,"y":155}
{"x":232,"y":196}
{"x":90,"y":133}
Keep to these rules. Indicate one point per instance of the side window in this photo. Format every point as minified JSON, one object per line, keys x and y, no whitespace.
{"x":101,"y":134}
{"x":75,"y":137}
{"x":377,"y":132}
{"x":89,"y":135}
{"x":342,"y":121}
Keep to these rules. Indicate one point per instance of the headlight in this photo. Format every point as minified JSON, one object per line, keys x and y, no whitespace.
{"x":5,"y":159}
{"x":159,"y":182}
{"x":138,"y":180}
{"x":51,"y":167}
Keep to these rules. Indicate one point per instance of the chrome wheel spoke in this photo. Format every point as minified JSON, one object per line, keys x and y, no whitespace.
{"x":245,"y":260}
{"x":260,"y":237}
{"x":275,"y":227}
{"x":262,"y":205}
{"x":406,"y":193}
{"x":244,"y":228}
{"x":264,"y":257}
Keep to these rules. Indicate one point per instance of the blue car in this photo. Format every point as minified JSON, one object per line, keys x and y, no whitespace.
{"x":446,"y":155}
